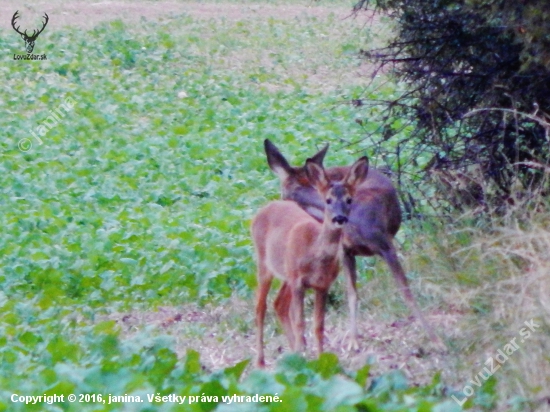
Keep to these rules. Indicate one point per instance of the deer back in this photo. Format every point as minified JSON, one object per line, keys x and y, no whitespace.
{"x":375,"y":214}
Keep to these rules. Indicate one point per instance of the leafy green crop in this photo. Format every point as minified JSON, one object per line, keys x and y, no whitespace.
{"x":140,"y":195}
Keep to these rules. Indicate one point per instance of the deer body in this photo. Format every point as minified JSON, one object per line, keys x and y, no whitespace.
{"x":304,"y":253}
{"x":374,"y":219}
{"x":296,"y":248}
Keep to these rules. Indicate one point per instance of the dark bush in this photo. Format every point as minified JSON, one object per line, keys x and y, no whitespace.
{"x":478,"y":92}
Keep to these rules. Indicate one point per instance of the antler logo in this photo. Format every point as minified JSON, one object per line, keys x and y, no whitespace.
{"x":29,"y":40}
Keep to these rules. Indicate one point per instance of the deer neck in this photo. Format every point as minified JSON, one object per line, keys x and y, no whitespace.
{"x":328,"y":242}
{"x":311,"y":204}
{"x":314,"y":212}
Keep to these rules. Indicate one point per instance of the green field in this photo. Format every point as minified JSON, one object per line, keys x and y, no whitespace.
{"x":126,"y":265}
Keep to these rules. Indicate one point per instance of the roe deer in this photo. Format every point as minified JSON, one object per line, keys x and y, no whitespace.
{"x":303,"y":253}
{"x":374,"y":220}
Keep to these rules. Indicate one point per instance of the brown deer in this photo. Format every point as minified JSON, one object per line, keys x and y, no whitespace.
{"x":374,"y":220}
{"x":294,"y":247}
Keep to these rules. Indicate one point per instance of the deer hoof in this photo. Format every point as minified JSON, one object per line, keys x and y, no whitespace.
{"x":353,"y":343}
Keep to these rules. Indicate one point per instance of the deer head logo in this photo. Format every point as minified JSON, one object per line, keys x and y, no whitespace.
{"x":29,"y":40}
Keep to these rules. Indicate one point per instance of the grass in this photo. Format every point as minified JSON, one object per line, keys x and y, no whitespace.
{"x":126,"y":249}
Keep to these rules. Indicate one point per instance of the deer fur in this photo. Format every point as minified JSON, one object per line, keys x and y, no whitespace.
{"x":374,"y":220}
{"x":302,"y":252}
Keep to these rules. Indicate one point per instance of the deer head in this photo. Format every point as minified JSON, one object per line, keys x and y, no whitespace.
{"x":337,"y":195}
{"x":295,"y":183}
{"x":29,"y":40}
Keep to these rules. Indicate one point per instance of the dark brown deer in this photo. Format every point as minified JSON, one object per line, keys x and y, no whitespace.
{"x":29,"y":40}
{"x":294,"y":247}
{"x":374,"y":220}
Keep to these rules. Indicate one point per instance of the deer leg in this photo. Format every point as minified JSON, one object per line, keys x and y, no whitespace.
{"x":264,"y":283}
{"x":297,"y":317}
{"x":282,"y":309}
{"x":390,"y":256}
{"x":350,"y":272}
{"x":319,"y":318}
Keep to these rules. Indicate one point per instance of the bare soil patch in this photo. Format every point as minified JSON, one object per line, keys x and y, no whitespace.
{"x":87,"y":14}
{"x":310,"y":69}
{"x":225,"y":335}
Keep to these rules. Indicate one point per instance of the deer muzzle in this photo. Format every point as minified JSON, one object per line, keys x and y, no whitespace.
{"x":340,"y":220}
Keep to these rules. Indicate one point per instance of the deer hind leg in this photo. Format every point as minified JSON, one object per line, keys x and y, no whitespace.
{"x":264,"y":283}
{"x":282,"y":309}
{"x":350,"y":272}
{"x":390,"y":256}
{"x":319,"y":318}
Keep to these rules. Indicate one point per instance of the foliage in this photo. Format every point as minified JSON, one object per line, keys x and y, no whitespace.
{"x":147,"y":368}
{"x":141,"y":197}
{"x":144,"y":191}
{"x":476,"y":92}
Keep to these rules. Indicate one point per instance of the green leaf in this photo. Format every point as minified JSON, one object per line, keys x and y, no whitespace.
{"x":237,"y":370}
{"x":192,"y":362}
{"x":327,"y":365}
{"x":362,"y":375}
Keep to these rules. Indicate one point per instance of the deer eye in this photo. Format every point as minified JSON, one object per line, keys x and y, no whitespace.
{"x":329,"y":201}
{"x":348,"y":201}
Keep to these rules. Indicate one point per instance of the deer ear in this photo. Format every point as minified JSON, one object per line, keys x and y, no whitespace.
{"x":358,"y":172}
{"x":316,"y":174}
{"x":276,"y":160}
{"x":320,"y":155}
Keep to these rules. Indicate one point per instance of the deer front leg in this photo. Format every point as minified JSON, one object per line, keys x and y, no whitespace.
{"x":319,"y":318}
{"x":350,"y":272}
{"x":297,"y":317}
{"x":261,"y":306}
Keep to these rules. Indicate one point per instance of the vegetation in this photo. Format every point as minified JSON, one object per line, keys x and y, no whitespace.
{"x":477,"y":76}
{"x":138,"y":201}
